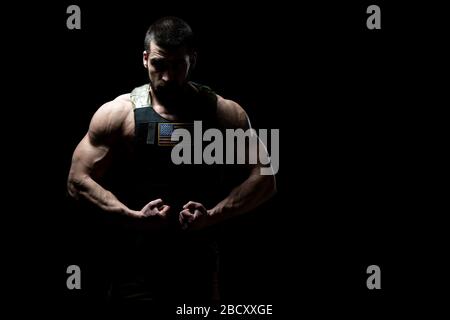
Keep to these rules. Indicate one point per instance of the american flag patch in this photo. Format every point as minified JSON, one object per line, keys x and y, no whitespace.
{"x":165,"y":132}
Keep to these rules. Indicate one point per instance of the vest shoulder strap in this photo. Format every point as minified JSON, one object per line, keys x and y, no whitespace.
{"x":140,"y":97}
{"x":207,"y":100}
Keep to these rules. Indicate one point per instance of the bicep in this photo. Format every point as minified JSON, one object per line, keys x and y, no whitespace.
{"x":92,"y":155}
{"x":232,"y":116}
{"x":89,"y":158}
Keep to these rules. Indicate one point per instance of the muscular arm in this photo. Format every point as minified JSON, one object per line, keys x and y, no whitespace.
{"x":91,"y":159}
{"x":256,"y":188}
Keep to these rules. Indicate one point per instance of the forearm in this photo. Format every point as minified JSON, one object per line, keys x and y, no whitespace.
{"x":88,"y":189}
{"x":255,"y":190}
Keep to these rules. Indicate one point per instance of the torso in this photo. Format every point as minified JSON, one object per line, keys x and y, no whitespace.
{"x":133,"y":164}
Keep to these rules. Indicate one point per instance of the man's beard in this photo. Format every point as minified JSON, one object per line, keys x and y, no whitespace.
{"x":169,"y":94}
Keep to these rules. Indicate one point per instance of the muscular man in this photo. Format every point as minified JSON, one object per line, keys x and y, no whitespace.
{"x":123,"y":167}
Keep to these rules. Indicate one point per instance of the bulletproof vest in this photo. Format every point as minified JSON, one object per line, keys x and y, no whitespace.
{"x":150,"y":172}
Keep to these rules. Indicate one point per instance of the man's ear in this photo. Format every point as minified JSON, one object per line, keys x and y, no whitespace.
{"x":193,"y":61}
{"x":145,"y":59}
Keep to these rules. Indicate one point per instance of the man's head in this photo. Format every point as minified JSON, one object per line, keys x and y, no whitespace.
{"x":169,"y":55}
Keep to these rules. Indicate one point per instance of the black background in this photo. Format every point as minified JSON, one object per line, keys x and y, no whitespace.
{"x":349,"y":107}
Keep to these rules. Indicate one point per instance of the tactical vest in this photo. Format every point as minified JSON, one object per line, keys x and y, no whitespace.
{"x":150,"y":172}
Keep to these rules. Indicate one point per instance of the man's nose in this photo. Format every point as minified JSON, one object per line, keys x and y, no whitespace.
{"x":167,"y":76}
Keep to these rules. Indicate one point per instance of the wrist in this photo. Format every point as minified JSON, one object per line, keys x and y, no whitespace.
{"x":214,"y":215}
{"x":129,"y":213}
{"x":212,"y":212}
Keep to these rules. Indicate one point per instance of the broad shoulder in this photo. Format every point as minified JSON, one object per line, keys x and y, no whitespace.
{"x":112,"y":118}
{"x":231,"y":114}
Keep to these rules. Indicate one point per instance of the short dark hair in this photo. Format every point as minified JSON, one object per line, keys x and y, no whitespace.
{"x":170,"y":33}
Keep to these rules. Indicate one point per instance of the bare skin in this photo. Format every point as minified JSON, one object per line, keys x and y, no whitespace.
{"x":114,"y":122}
